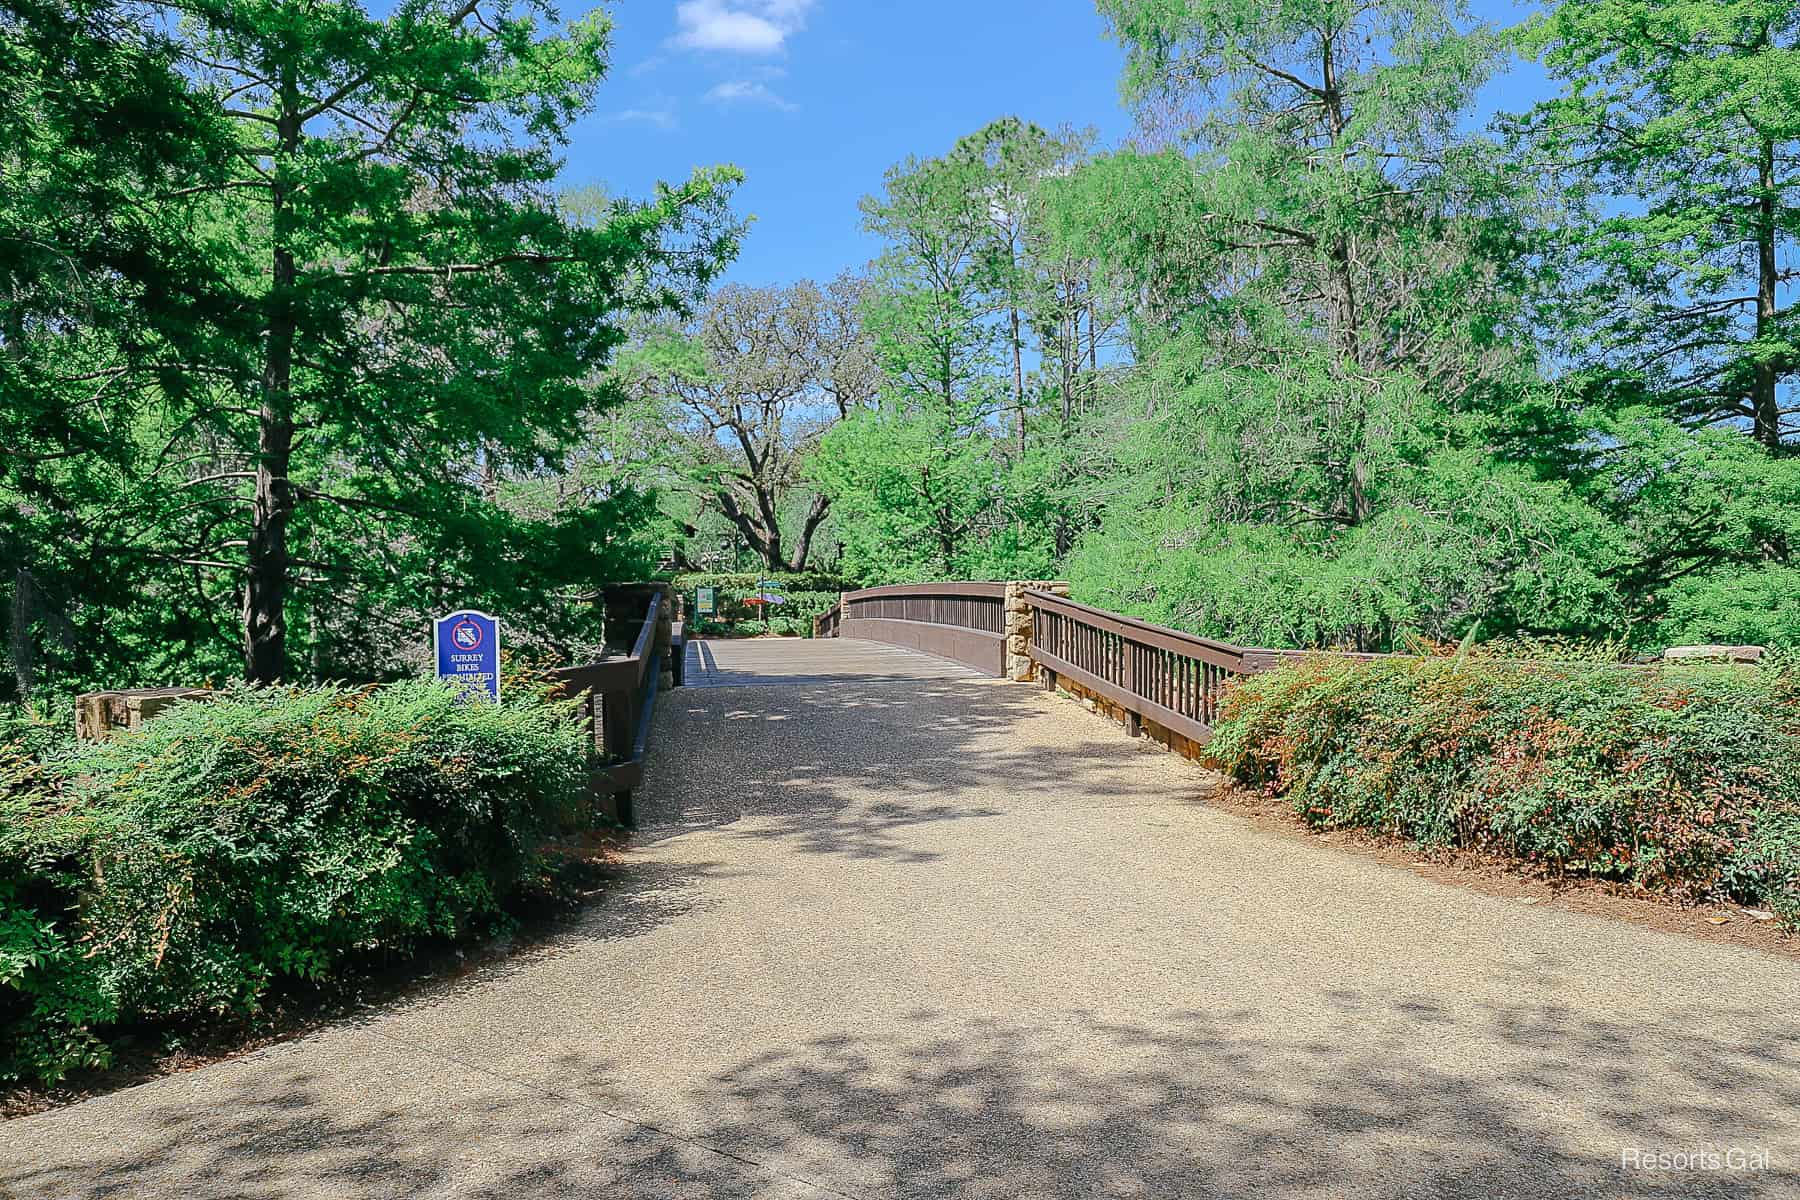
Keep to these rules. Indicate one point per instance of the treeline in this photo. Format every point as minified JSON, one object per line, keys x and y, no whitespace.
{"x":1323,"y":357}
{"x":301,"y":339}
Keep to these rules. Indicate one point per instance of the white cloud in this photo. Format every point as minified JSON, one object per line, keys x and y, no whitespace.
{"x":743,"y":91}
{"x":739,"y":26}
{"x":661,"y":118}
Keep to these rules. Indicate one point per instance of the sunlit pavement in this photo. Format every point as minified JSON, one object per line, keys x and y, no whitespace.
{"x":894,"y":929}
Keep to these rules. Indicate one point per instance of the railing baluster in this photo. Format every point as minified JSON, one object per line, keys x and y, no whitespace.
{"x":1162,"y":675}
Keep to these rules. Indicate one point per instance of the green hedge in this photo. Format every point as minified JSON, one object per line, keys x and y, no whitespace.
{"x":183,"y":870}
{"x":1683,"y":781}
{"x":744,"y":581}
{"x":807,"y":596}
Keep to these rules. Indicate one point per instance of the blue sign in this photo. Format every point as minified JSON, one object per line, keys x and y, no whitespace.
{"x":468,"y":652}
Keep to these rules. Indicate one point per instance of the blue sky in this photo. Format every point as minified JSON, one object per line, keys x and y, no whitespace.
{"x":814,"y":99}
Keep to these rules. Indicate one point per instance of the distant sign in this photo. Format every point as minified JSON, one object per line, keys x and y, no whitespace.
{"x":706,"y":602}
{"x":468,"y":652}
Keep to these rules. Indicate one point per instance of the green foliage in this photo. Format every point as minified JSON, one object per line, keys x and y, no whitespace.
{"x":1310,"y":451}
{"x":1228,"y":517}
{"x":964,"y":467}
{"x":183,"y":870}
{"x":1689,"y":110}
{"x":1340,"y":429}
{"x":1684,"y":781}
{"x":911,"y":491}
{"x":1752,"y":605}
{"x":292,"y":306}
{"x":808,"y":594}
{"x":1683,"y":502}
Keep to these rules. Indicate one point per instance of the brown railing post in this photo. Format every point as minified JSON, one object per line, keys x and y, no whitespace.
{"x":1134,"y":721}
{"x":621,"y":730}
{"x":617,"y":692}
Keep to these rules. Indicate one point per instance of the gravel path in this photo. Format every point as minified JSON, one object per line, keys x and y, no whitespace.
{"x":945,"y":936}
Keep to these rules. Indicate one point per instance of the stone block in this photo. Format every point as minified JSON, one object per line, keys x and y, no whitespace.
{"x":1732,"y":654}
{"x":99,"y":714}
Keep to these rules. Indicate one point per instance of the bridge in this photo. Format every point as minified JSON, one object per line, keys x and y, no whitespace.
{"x":896,"y":924}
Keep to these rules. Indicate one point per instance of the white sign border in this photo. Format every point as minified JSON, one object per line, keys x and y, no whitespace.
{"x":437,"y":642}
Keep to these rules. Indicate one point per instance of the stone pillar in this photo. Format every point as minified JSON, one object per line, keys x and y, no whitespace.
{"x":1018,"y":624}
{"x":665,"y":637}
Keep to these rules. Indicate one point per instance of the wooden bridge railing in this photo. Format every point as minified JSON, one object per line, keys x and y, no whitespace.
{"x":1151,"y":672}
{"x":965,"y":622}
{"x":618,"y":699}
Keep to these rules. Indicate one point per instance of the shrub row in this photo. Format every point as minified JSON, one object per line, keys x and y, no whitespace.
{"x":805,"y":597}
{"x":1683,"y":781}
{"x":745,"y":581}
{"x":184,"y":870}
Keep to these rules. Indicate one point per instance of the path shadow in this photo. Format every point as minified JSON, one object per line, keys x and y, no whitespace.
{"x":1067,"y":1103}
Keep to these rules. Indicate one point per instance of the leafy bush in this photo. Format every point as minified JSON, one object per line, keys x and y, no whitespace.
{"x":746,"y":581}
{"x":183,"y":870}
{"x":1684,"y":781}
{"x":806,"y":595}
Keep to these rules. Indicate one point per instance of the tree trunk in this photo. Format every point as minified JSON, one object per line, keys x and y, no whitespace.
{"x":1764,"y":403}
{"x":767,"y":504}
{"x":815,"y":516}
{"x":265,"y":585}
{"x":1093,"y":355}
{"x":765,"y":544}
{"x":1342,"y":314}
{"x":1341,"y":304}
{"x":1070,"y":344}
{"x":946,"y":536}
{"x":265,"y":592}
{"x":1018,"y":357}
{"x":20,"y":648}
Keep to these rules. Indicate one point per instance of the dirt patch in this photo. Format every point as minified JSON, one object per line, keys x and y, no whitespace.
{"x":581,"y":866}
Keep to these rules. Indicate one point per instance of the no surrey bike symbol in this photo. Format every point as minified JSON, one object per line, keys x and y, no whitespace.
{"x":468,"y":652}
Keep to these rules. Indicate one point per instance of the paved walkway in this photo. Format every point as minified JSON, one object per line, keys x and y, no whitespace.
{"x":757,"y":662}
{"x":950,"y":937}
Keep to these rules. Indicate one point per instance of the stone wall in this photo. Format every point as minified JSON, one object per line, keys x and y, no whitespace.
{"x":1729,"y":654}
